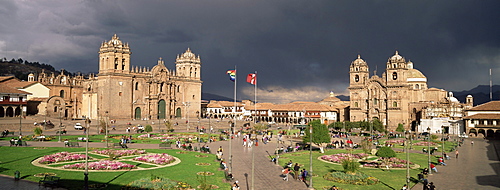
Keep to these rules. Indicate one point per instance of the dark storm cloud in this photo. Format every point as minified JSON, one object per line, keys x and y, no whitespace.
{"x":300,"y":49}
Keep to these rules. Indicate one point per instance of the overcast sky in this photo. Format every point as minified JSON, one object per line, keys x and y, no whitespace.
{"x":301,"y":49}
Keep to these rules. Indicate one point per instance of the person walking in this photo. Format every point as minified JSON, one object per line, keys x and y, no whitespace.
{"x":296,"y":170}
{"x":431,"y":186}
{"x":304,"y":175}
{"x":456,"y":153}
{"x":433,"y":168}
{"x":285,"y":172}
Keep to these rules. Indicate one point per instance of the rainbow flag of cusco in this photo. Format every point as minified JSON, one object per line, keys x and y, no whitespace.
{"x":232,"y":75}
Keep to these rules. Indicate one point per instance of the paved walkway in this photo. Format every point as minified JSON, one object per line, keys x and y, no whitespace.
{"x":477,"y":167}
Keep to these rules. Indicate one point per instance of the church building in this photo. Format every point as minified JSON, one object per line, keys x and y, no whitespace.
{"x":399,"y":96}
{"x":123,"y":91}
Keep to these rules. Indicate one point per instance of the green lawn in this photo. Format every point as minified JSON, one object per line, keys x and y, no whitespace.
{"x":19,"y":159}
{"x":392,"y":179}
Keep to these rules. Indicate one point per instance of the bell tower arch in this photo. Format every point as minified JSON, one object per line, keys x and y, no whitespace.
{"x":114,"y":56}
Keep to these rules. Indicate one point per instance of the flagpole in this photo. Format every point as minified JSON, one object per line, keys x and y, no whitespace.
{"x":255,"y":109}
{"x":234,"y":124}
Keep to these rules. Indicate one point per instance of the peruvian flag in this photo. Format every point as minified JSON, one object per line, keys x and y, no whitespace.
{"x":252,"y":78}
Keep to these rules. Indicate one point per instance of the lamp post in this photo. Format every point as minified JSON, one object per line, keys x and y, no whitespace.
{"x":60,"y":123}
{"x":86,"y":173}
{"x":442,"y":141}
{"x":106,"y":129}
{"x":429,"y":149}
{"x":407,"y":144}
{"x":20,"y":120}
{"x":310,"y":158}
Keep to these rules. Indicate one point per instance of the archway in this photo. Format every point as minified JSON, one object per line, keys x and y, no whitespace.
{"x":137,"y":114}
{"x":9,"y":112}
{"x":161,"y":109}
{"x":481,"y":133}
{"x":2,"y":112}
{"x":178,"y":113}
{"x":472,"y":132}
{"x":489,"y":133}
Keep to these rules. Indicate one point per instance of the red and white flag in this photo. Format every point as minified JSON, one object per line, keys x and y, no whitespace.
{"x":252,"y":78}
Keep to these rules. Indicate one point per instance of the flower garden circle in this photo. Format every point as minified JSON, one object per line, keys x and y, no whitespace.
{"x":127,"y":160}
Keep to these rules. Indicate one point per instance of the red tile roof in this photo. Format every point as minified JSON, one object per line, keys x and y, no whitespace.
{"x":488,"y":106}
{"x":483,"y":116}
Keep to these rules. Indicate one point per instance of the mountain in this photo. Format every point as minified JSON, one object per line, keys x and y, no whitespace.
{"x":209,"y":96}
{"x":481,"y":94}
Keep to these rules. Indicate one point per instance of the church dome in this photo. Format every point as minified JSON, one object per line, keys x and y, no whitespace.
{"x":188,"y":56}
{"x":359,"y":62}
{"x":397,"y":58}
{"x":415,"y":75}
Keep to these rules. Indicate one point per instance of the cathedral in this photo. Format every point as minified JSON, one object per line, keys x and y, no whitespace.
{"x":400,"y":96}
{"x":123,"y":91}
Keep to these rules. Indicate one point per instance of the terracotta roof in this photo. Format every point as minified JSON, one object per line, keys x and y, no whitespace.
{"x":488,"y":106}
{"x":3,"y":78}
{"x":483,"y":116}
{"x":5,"y":89}
{"x":220,"y":104}
{"x":38,"y":99}
{"x":18,"y":84}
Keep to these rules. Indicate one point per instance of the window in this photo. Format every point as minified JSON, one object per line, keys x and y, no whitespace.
{"x":356,"y":78}
{"x":356,"y":104}
{"x":375,"y":101}
{"x":395,"y":104}
{"x":61,"y":93}
{"x":120,"y":93}
{"x":136,"y":85}
{"x":394,"y":76}
{"x":417,"y":86}
{"x":123,"y":64}
{"x":193,"y":97}
{"x":116,"y":63}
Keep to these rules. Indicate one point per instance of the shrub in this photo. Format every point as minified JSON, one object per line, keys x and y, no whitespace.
{"x":38,"y":131}
{"x":400,"y":128}
{"x":156,"y":183}
{"x":148,"y":128}
{"x":350,"y":166}
{"x":386,"y":152}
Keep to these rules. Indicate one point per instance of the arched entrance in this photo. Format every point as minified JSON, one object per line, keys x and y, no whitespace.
{"x":137,"y":114}
{"x":9,"y":112}
{"x":178,"y":113}
{"x":161,"y":109}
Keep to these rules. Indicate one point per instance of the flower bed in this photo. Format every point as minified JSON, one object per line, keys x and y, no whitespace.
{"x":392,"y":162}
{"x":161,"y":159}
{"x":61,"y":157}
{"x":394,"y":142}
{"x":101,"y":165}
{"x":337,"y":158}
{"x":120,"y":152}
{"x":424,"y":143}
{"x":355,"y":179}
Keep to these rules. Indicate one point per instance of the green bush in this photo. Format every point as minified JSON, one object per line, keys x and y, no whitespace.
{"x":148,"y":128}
{"x":38,"y":131}
{"x":400,"y":128}
{"x":350,"y":166}
{"x":386,"y":152}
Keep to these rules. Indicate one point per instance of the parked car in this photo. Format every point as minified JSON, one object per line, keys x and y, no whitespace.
{"x":463,"y":135}
{"x":78,"y":126}
{"x":140,"y":127}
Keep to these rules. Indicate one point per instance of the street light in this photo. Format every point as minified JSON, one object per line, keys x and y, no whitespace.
{"x":429,"y":149}
{"x":20,"y":120}
{"x":408,"y":138}
{"x":442,"y":140}
{"x":60,"y":123}
{"x":106,"y":128}
{"x":310,"y":158}
{"x":86,"y":173}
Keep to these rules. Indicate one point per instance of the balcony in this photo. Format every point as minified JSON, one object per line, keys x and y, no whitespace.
{"x":8,"y":102}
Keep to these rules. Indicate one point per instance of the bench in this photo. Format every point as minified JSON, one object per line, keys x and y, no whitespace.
{"x":165,"y":145}
{"x":72,"y":144}
{"x":49,"y":180}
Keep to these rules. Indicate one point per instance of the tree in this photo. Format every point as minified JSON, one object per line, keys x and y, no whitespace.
{"x":38,"y":131}
{"x":148,"y":128}
{"x":168,"y":125}
{"x":320,"y":135}
{"x":400,"y":128}
{"x":386,"y":152}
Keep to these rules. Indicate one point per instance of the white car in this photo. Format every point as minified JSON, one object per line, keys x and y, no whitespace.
{"x":463,"y":135}
{"x":140,"y":127}
{"x":78,"y":126}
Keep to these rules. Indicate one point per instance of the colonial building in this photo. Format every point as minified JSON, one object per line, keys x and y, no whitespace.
{"x":328,"y":110}
{"x":13,"y":101}
{"x":398,"y":97}
{"x":483,"y":120}
{"x":121,"y":90}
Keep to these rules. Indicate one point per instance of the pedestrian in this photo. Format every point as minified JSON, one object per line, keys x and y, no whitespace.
{"x":426,"y":184}
{"x":296,"y":170}
{"x":404,"y":187}
{"x":285,"y":172}
{"x":304,"y":175}
{"x":431,"y":186}
{"x":456,"y":153}
{"x":236,"y":186}
{"x":441,"y":161}
{"x":433,"y":167}
{"x":472,"y":143}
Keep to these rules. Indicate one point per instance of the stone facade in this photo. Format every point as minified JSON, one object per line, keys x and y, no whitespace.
{"x":398,"y":97}
{"x":123,"y":91}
